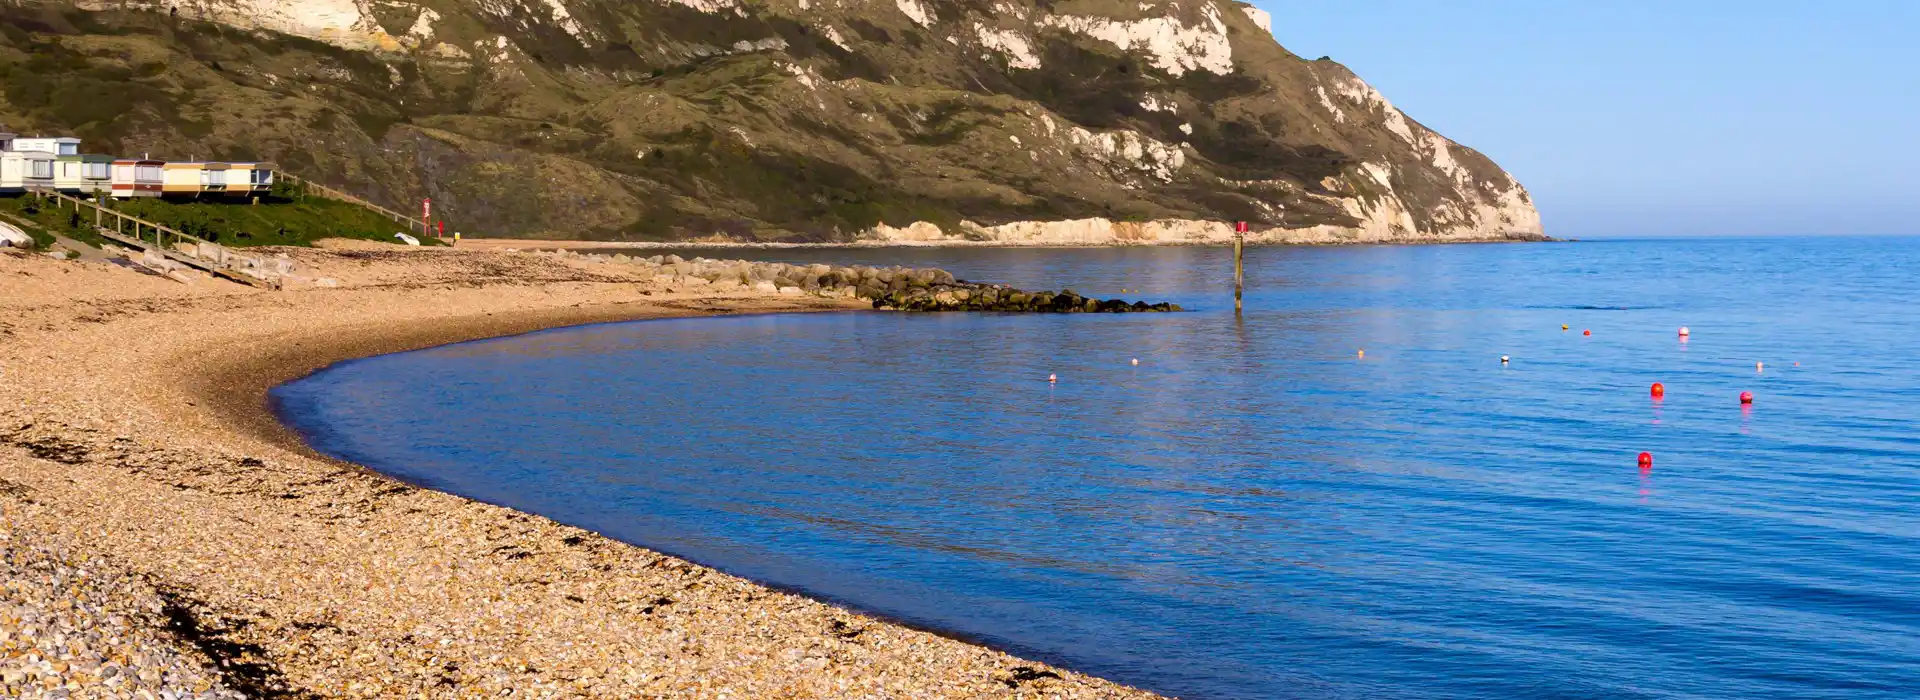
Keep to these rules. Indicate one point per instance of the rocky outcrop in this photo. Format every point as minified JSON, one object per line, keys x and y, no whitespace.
{"x":1067,"y":122}
{"x":902,"y":288}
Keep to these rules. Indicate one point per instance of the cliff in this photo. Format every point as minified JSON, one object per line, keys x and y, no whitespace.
{"x":1039,"y":121}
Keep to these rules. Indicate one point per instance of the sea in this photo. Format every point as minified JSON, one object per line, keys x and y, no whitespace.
{"x":1400,"y":472}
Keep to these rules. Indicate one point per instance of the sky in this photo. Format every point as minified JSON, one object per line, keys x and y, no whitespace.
{"x":1636,"y":118}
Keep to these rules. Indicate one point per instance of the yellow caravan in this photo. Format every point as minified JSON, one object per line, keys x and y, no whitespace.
{"x":21,"y":171}
{"x":216,"y":179}
{"x":250,"y":179}
{"x":193,"y":179}
{"x":83,"y":174}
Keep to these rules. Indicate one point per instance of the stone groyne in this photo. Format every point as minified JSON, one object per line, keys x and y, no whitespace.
{"x":902,"y":288}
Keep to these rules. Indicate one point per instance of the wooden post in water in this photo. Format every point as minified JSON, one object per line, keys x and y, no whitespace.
{"x":1239,"y":246}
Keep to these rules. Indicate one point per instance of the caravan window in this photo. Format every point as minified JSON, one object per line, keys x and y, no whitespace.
{"x":150,"y":173}
{"x":42,"y":169}
{"x":263,"y":177}
{"x":96,"y":171}
{"x":70,"y":170}
{"x":69,"y":149}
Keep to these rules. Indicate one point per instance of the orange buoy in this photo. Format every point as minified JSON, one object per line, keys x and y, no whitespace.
{"x":1563,"y":326}
{"x":1746,"y":397}
{"x":1363,"y":354}
{"x":1587,"y":332}
{"x":1659,"y":390}
{"x":1646,"y":460}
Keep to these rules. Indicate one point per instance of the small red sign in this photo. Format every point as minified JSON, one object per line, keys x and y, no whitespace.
{"x":1241,"y":228}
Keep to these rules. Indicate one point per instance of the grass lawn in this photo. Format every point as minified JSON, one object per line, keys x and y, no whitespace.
{"x":276,"y":220}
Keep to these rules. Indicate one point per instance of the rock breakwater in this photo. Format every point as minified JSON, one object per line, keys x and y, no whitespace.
{"x":902,"y":288}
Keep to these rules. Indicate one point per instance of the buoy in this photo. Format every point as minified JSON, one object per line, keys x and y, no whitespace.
{"x":1759,"y":366}
{"x":1646,"y":460}
{"x":1586,"y":332}
{"x":1503,"y":359}
{"x":1052,"y":378}
{"x":1363,"y":354}
{"x":1746,"y":397}
{"x":1563,"y":326}
{"x":1684,"y":332}
{"x":1136,"y":362}
{"x":1796,"y":364}
{"x":1659,"y":390}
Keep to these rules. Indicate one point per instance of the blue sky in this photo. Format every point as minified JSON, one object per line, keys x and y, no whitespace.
{"x":1642,"y":118}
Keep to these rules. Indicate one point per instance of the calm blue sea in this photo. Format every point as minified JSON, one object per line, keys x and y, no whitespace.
{"x":1254,"y":510}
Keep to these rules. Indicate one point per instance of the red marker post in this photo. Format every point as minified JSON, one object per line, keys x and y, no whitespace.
{"x":1239,"y":243}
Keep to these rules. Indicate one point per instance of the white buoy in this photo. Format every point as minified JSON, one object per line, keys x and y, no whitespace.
{"x":1503,"y":359}
{"x":1136,"y":362}
{"x":1052,"y":378}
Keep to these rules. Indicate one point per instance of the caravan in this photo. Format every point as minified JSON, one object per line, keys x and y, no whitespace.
{"x":138,"y":178}
{"x":190,"y":180}
{"x":59,"y":146}
{"x":83,"y":174}
{"x":250,"y":179}
{"x":23,"y":171}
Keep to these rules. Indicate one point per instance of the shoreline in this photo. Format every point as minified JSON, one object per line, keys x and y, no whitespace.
{"x":240,"y":391}
{"x":137,"y":434}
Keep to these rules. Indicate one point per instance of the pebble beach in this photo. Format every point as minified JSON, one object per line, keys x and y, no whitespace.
{"x":163,"y":536}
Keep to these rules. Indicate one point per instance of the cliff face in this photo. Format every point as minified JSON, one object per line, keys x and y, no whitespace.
{"x":1045,"y":121}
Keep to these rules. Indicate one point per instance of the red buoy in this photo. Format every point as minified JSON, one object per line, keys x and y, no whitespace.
{"x":1646,"y":460}
{"x":1746,"y":397}
{"x":1659,"y":390}
{"x":1586,"y":332}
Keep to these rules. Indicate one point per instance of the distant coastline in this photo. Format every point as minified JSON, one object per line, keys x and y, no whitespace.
{"x":561,"y":244}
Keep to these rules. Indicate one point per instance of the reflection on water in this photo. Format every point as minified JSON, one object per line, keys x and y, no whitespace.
{"x":1254,"y":510}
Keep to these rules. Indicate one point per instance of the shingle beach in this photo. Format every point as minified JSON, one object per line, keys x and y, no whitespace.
{"x":161,"y":535}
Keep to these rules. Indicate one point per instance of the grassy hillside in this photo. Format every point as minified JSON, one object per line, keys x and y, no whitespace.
{"x":769,"y":121}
